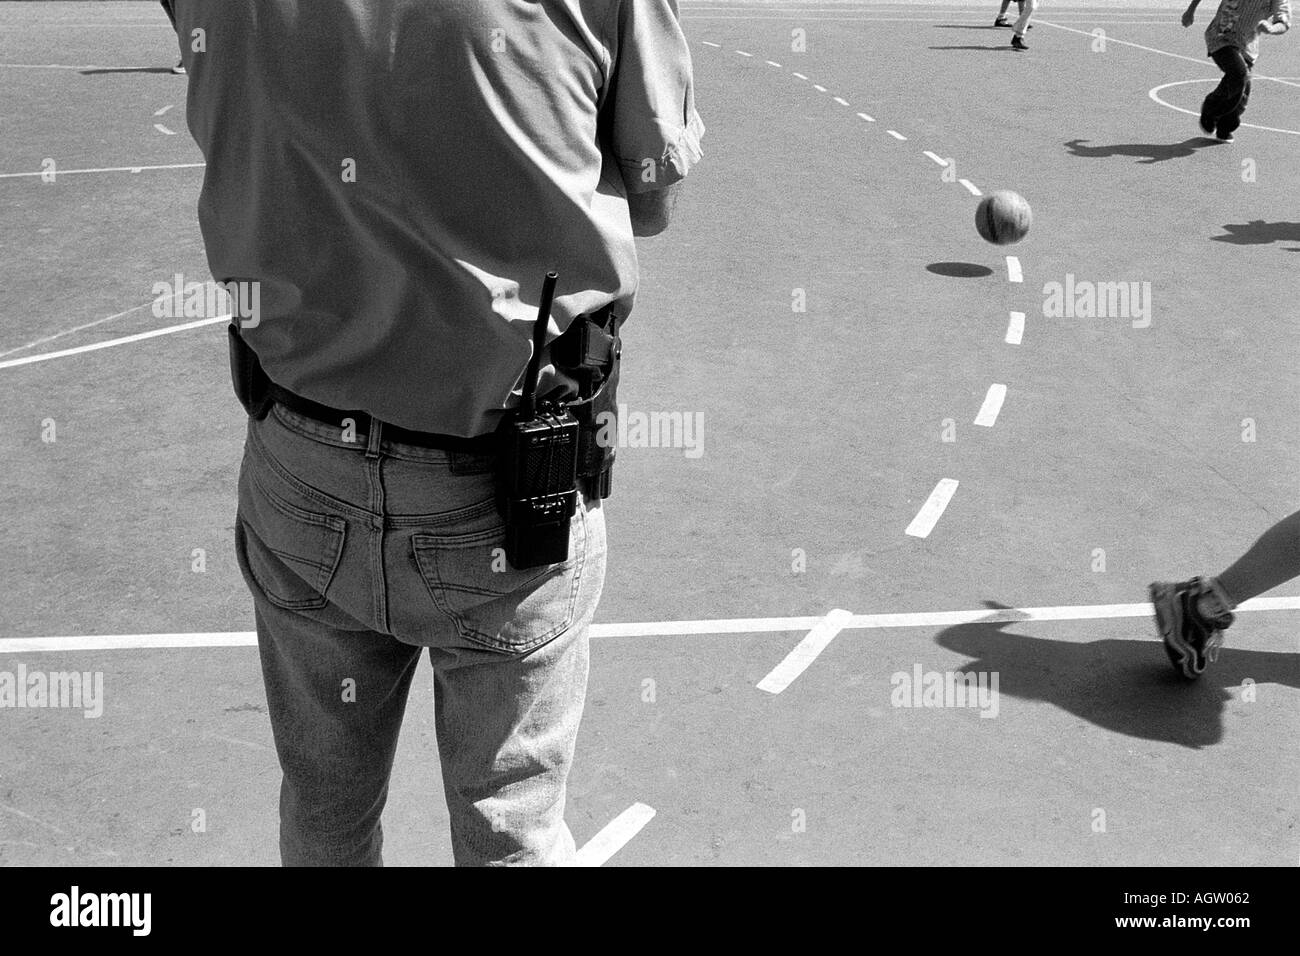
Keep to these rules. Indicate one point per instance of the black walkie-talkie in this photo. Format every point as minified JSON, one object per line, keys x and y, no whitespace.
{"x":537,"y":486}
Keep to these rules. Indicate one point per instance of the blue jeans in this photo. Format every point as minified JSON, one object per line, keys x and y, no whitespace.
{"x":358,"y":555}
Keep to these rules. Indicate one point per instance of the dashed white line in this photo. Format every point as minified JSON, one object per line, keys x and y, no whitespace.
{"x":1016,"y":328}
{"x":864,"y":116}
{"x":936,"y":157}
{"x":1013,"y":270}
{"x":772,"y":63}
{"x":970,"y":187}
{"x":163,"y":111}
{"x":896,"y":134}
{"x":799,"y":76}
{"x":743,"y":53}
{"x":988,"y":414}
{"x":819,"y":88}
{"x":95,"y":346}
{"x":716,"y":46}
{"x":933,"y":508}
{"x":615,"y":835}
{"x":163,"y":129}
{"x":841,"y":101}
{"x":805,"y":652}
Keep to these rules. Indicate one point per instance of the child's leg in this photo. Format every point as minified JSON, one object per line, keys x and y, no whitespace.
{"x":1225,"y":98}
{"x":1228,"y":124}
{"x":1002,"y":12}
{"x":1026,"y":11}
{"x":1272,"y":560}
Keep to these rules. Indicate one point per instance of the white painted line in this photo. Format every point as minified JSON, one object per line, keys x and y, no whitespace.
{"x":163,"y":129}
{"x":716,"y":13}
{"x":615,"y":835}
{"x":936,"y":157}
{"x":933,"y":508}
{"x":896,"y":134}
{"x":108,"y":169}
{"x":841,"y":101}
{"x":127,"y":642}
{"x":750,"y":625}
{"x":988,"y":415}
{"x":1013,"y":270}
{"x":55,"y":66}
{"x":772,"y":63}
{"x":743,"y":53}
{"x":970,"y":187}
{"x":1111,"y":39}
{"x":1016,"y":328}
{"x":799,"y":75}
{"x":96,"y":346}
{"x":1155,"y":91}
{"x":869,"y":119}
{"x":819,"y":88}
{"x":1151,"y":49}
{"x":163,"y":111}
{"x":805,"y":652}
{"x":716,"y":46}
{"x":71,"y":331}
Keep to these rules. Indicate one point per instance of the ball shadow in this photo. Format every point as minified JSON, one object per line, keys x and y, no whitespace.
{"x":959,"y":270}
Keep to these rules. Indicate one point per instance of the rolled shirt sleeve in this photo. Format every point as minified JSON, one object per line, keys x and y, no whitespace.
{"x":1282,"y":12}
{"x":653,"y":129}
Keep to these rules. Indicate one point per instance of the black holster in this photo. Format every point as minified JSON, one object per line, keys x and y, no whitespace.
{"x":252,"y":386}
{"x":590,"y":351}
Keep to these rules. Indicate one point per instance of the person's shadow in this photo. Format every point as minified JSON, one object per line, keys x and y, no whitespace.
{"x":1257,"y":232}
{"x":1146,"y":153}
{"x":1001,"y":48}
{"x":1126,"y":686}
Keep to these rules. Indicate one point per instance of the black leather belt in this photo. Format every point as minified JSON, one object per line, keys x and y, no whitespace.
{"x":333,"y":417}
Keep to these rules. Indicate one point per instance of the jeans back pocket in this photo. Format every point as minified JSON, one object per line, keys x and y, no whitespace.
{"x":288,"y":552}
{"x":490,"y":602}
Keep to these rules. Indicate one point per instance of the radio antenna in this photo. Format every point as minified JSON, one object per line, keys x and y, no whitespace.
{"x":529,"y":403}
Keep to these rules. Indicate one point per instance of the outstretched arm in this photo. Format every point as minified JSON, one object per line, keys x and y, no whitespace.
{"x":1279,"y":22}
{"x":1190,"y":13}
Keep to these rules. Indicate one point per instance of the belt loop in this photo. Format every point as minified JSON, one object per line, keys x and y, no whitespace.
{"x":373,"y":439}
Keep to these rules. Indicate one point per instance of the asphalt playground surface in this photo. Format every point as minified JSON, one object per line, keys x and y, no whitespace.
{"x":1120,"y":453}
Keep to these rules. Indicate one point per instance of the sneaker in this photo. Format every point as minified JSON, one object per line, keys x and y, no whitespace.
{"x":179,"y":68}
{"x":1224,"y":137}
{"x":1206,"y":125}
{"x":1191,"y":640}
{"x":1002,"y":22}
{"x":1018,"y":43}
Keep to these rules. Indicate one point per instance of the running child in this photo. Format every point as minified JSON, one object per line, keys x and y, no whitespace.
{"x":1232,"y":42}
